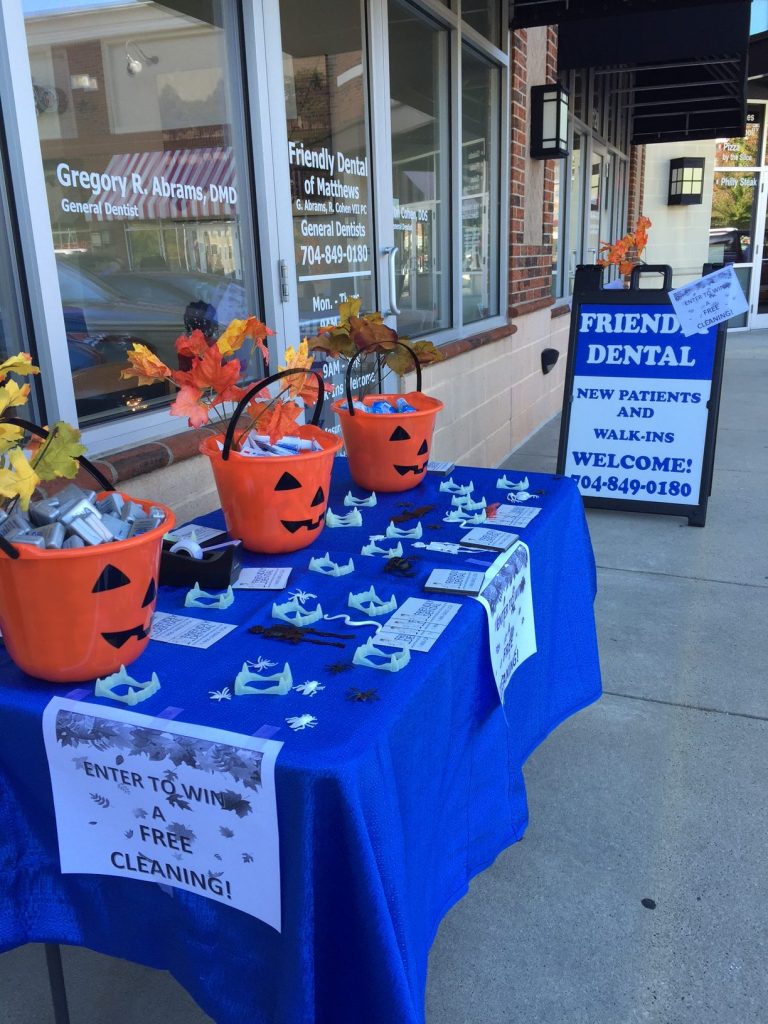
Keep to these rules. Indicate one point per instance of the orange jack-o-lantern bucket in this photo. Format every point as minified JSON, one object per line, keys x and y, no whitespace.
{"x":75,"y":614}
{"x":276,"y":503}
{"x":388,"y":451}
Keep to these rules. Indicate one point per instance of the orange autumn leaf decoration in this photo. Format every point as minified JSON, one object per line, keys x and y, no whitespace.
{"x":367,"y":332}
{"x":209,"y":374}
{"x":627,"y":251}
{"x":275,"y":419}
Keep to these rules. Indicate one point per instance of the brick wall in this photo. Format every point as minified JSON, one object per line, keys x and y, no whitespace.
{"x":533,"y":57}
{"x":636,"y":185}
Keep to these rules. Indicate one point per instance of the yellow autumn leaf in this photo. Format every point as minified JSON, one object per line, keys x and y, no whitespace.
{"x":9,"y":436}
{"x":347,"y":309}
{"x":11,"y":394}
{"x":58,"y":455}
{"x":25,"y":479}
{"x":20,"y":364}
{"x":298,"y":359}
{"x":231,"y":339}
{"x":8,"y":488}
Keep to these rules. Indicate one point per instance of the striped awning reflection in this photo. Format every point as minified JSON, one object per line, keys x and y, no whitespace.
{"x":189,"y":184}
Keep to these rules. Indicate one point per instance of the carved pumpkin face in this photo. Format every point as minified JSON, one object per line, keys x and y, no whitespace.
{"x":80,"y":614}
{"x":138,"y":610}
{"x":308,"y":514}
{"x":275,"y":504}
{"x":409,"y":460}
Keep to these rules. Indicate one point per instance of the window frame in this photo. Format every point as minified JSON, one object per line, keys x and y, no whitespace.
{"x":269,"y":204}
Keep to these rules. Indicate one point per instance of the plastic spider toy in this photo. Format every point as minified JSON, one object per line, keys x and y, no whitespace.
{"x":361,"y":696}
{"x":401,"y":566}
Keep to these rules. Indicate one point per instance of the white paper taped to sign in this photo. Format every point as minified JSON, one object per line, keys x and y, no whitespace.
{"x":508,"y":603}
{"x":159,"y":801}
{"x":711,"y":300}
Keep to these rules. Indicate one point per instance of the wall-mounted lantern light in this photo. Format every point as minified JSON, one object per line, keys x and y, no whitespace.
{"x":686,"y":181}
{"x":549,"y":122}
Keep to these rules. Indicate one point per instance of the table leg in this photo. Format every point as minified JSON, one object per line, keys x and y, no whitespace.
{"x":56,"y":981}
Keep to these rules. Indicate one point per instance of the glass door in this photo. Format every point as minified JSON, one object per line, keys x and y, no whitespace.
{"x":759,"y":298}
{"x":596,"y":219}
{"x":325,"y":73}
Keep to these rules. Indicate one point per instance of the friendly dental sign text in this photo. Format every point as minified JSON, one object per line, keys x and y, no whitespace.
{"x":638,"y":415}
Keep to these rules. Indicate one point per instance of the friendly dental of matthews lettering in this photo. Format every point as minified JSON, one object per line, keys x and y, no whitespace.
{"x":631,"y":323}
{"x":640,"y":355}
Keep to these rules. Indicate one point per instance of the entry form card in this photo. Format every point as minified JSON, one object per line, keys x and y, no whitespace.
{"x":186,"y":631}
{"x":262,"y":579}
{"x":493,"y":540}
{"x":515,"y":515}
{"x":416,"y":624}
{"x":455,"y":581}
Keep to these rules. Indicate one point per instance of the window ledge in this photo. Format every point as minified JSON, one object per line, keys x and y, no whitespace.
{"x":457,"y":348}
{"x":562,"y":307}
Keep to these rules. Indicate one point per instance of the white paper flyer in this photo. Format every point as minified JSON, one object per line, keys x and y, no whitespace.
{"x":508,"y":603}
{"x":160,"y":801}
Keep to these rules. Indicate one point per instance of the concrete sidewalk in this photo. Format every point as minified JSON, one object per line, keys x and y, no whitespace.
{"x":639,"y":891}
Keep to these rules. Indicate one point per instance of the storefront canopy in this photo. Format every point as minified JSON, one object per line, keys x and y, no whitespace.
{"x":689,"y":58}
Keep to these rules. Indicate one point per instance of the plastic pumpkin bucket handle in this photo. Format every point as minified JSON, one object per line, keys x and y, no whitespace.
{"x":34,"y":428}
{"x":232,"y":425}
{"x":361,"y":352}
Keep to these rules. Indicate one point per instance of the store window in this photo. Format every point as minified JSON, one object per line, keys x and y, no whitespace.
{"x":421,"y":153}
{"x":326,"y":97}
{"x":484,"y":16}
{"x":141,"y":129}
{"x":13,"y":339}
{"x":480,"y":196}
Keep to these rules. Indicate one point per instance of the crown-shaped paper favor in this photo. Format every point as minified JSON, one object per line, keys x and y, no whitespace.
{"x":369,"y":602}
{"x":452,"y":488}
{"x":328,"y":567}
{"x":295,"y":613}
{"x":351,"y":501}
{"x":372,"y":548}
{"x":136,"y":692}
{"x":283,"y":681}
{"x":395,"y":531}
{"x":391,"y":662}
{"x":352,"y":518}
{"x":197,"y":598}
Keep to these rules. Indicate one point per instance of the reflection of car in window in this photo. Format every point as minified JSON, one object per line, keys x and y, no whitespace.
{"x":175,"y":290}
{"x":725,"y":246}
{"x":101,"y":327}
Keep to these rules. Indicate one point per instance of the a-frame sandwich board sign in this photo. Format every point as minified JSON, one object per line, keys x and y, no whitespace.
{"x":641,"y":399}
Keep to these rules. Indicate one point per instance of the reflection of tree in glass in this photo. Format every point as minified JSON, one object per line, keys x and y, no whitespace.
{"x":732,"y":204}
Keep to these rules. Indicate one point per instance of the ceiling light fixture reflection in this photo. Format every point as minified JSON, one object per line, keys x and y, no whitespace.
{"x":133,"y":63}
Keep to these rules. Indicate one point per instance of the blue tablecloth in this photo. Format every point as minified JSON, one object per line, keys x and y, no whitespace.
{"x":386,"y":809}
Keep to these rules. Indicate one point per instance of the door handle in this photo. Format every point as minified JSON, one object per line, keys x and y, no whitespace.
{"x":390,"y":251}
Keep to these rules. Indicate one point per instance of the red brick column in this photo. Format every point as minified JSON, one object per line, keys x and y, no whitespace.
{"x":530,"y":265}
{"x":636,"y":185}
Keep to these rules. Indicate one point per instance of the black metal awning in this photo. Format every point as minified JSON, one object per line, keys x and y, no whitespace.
{"x":688,"y":58}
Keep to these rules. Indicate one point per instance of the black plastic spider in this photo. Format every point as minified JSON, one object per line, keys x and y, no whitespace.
{"x":338,"y":667}
{"x":361,"y":696}
{"x":401,"y":566}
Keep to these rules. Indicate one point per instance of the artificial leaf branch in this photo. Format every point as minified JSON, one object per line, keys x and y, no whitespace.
{"x":22,"y":467}
{"x":212,"y":372}
{"x":627,"y":251}
{"x":370,"y":334}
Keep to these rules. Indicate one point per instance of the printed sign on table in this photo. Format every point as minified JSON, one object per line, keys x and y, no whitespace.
{"x":638,"y":416}
{"x":159,"y":801}
{"x":508,"y":603}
